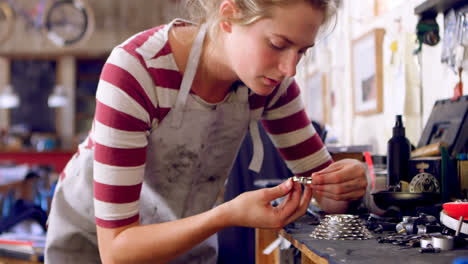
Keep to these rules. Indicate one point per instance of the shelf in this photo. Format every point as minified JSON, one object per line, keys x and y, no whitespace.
{"x":432,"y":7}
{"x":58,"y":158}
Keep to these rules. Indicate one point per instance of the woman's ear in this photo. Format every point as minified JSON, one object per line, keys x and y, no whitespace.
{"x":227,"y":12}
{"x":226,"y":26}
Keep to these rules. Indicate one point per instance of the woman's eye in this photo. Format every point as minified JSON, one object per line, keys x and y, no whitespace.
{"x":276,"y":46}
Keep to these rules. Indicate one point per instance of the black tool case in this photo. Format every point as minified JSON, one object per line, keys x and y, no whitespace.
{"x":448,"y":123}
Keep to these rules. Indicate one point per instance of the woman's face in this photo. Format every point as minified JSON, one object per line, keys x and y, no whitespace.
{"x":262,"y":54}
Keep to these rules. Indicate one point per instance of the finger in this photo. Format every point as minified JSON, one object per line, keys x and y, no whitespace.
{"x":331,"y":178}
{"x":343,"y":187}
{"x":287,"y":208}
{"x":285,"y":201}
{"x":306,"y":197}
{"x":301,"y":210}
{"x":281,"y":190}
{"x":336,"y":166}
{"x":350,"y":196}
{"x":339,"y":171}
{"x":342,"y":197}
{"x":290,"y":194}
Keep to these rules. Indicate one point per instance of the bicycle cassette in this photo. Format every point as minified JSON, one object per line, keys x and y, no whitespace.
{"x":424,"y":182}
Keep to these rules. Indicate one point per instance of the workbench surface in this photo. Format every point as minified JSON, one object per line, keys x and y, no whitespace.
{"x":359,"y":251}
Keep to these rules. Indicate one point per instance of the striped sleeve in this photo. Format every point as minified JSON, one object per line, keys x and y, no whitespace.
{"x":125,"y":107}
{"x":291,"y":131}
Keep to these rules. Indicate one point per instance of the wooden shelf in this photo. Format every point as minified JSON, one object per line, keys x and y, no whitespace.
{"x":432,"y":7}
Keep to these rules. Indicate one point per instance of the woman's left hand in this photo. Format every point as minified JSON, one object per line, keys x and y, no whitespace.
{"x":344,"y":180}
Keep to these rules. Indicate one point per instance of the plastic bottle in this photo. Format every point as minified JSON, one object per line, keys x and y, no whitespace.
{"x":398,"y":155}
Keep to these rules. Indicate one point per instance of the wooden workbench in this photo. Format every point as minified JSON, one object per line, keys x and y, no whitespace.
{"x":355,"y":251}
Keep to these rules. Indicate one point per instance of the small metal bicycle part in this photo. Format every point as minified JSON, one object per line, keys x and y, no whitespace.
{"x":302,"y":179}
{"x":424,"y":182}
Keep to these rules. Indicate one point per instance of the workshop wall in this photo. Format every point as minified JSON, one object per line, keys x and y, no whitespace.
{"x":116,"y":20}
{"x":402,"y":79}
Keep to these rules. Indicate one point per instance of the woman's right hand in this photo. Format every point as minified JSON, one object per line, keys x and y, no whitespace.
{"x":135,"y":243}
{"x":254,"y":209}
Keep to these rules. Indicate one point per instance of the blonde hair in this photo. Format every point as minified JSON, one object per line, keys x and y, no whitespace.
{"x":206,"y":11}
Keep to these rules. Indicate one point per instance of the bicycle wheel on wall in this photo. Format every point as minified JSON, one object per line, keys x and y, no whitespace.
{"x":68,"y":22}
{"x":6,"y":21}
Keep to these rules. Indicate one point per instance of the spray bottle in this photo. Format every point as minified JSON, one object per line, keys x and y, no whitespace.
{"x":398,"y":155}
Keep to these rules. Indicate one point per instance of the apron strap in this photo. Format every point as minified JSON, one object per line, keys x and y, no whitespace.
{"x":189,"y":75}
{"x":243,"y":93}
{"x":258,"y":151}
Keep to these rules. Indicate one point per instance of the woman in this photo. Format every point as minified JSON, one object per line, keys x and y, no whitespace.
{"x":173,"y":105}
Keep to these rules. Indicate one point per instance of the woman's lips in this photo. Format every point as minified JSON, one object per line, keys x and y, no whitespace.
{"x":270,"y":82}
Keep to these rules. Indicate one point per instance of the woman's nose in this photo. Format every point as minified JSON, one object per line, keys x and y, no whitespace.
{"x":288,"y":63}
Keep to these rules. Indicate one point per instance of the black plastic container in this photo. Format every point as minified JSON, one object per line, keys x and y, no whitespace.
{"x":398,"y":155}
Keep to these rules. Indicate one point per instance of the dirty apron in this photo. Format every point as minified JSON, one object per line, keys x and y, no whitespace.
{"x":189,"y":157}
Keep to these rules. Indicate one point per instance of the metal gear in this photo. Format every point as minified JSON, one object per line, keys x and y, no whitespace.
{"x":424,"y":182}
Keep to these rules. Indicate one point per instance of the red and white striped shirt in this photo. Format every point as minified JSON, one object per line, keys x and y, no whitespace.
{"x":138,"y":86}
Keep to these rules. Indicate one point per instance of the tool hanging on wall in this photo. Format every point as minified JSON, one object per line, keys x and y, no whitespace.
{"x":427,"y":31}
{"x":458,"y":90}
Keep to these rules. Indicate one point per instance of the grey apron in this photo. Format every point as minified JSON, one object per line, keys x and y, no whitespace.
{"x":189,"y":157}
